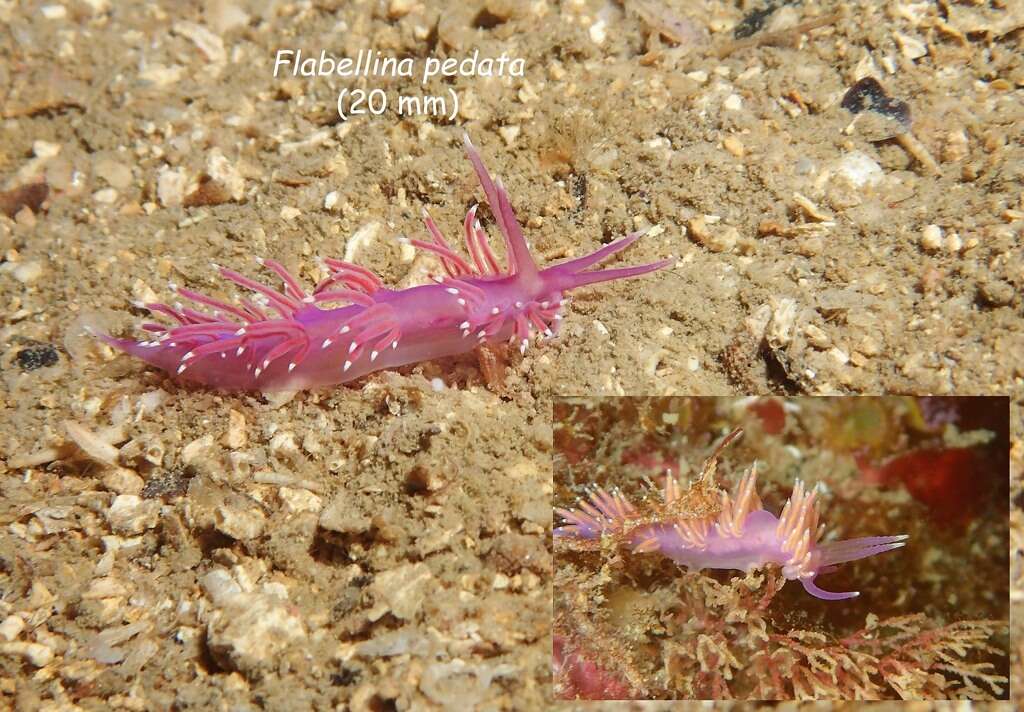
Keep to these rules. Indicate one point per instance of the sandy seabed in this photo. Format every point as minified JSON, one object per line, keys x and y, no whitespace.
{"x":387,"y":544}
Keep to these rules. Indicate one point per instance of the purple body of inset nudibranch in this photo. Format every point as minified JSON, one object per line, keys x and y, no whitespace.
{"x":741,"y":536}
{"x":289,"y":341}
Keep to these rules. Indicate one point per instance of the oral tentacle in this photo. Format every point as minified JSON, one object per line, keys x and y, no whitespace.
{"x":821,"y":593}
{"x":853,"y":549}
{"x":581,"y":263}
{"x":606,"y":275}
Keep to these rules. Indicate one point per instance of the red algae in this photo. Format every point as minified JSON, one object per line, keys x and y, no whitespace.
{"x":944,"y":480}
{"x":577,"y":677}
{"x":771,"y":413}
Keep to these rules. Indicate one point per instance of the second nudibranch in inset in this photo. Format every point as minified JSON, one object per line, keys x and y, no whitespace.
{"x":741,"y":535}
{"x":290,"y":339}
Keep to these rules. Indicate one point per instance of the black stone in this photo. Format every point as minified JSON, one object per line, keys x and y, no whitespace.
{"x":37,"y":357}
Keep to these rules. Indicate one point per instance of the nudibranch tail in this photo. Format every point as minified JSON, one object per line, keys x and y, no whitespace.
{"x":839,"y":552}
{"x":740,"y":535}
{"x":570,"y":275}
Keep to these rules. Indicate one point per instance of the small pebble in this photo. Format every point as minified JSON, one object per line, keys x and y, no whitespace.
{"x":811,"y":247}
{"x":117,"y":174}
{"x":121,"y":480}
{"x":839,"y":356}
{"x":817,"y":337}
{"x":11,"y":627}
{"x":106,"y":196}
{"x":299,"y":500}
{"x":931,"y":238}
{"x":45,"y":149}
{"x":509,"y":133}
{"x":35,"y":653}
{"x":54,"y":12}
{"x":398,"y":9}
{"x":240,"y":523}
{"x":130,"y":515}
{"x":225,"y":16}
{"x":27,"y":272}
{"x":911,"y":47}
{"x":170,"y":187}
{"x":734,"y":146}
{"x":956,"y":146}
{"x":860,"y":169}
{"x":996,"y":292}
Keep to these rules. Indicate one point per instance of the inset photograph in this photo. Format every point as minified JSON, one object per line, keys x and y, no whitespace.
{"x":781,"y":548}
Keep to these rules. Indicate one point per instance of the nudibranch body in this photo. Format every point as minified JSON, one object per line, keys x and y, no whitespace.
{"x":288,"y":339}
{"x":741,"y":535}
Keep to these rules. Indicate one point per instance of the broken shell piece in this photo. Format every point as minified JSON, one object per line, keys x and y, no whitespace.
{"x":249,"y":632}
{"x":91,"y":444}
{"x":868,"y":95}
{"x":236,"y":437}
{"x":153,"y":453}
{"x":717,"y":239}
{"x":196,"y":448}
{"x":779,"y":331}
{"x":121,"y":480}
{"x":106,"y":587}
{"x":402,"y":590}
{"x":812,"y":210}
{"x":242,"y":521}
{"x":129,"y":514}
{"x":911,"y":47}
{"x":859,"y":169}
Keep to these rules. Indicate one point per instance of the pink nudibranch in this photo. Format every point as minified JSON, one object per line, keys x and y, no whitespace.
{"x":289,"y":340}
{"x":743,"y":535}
